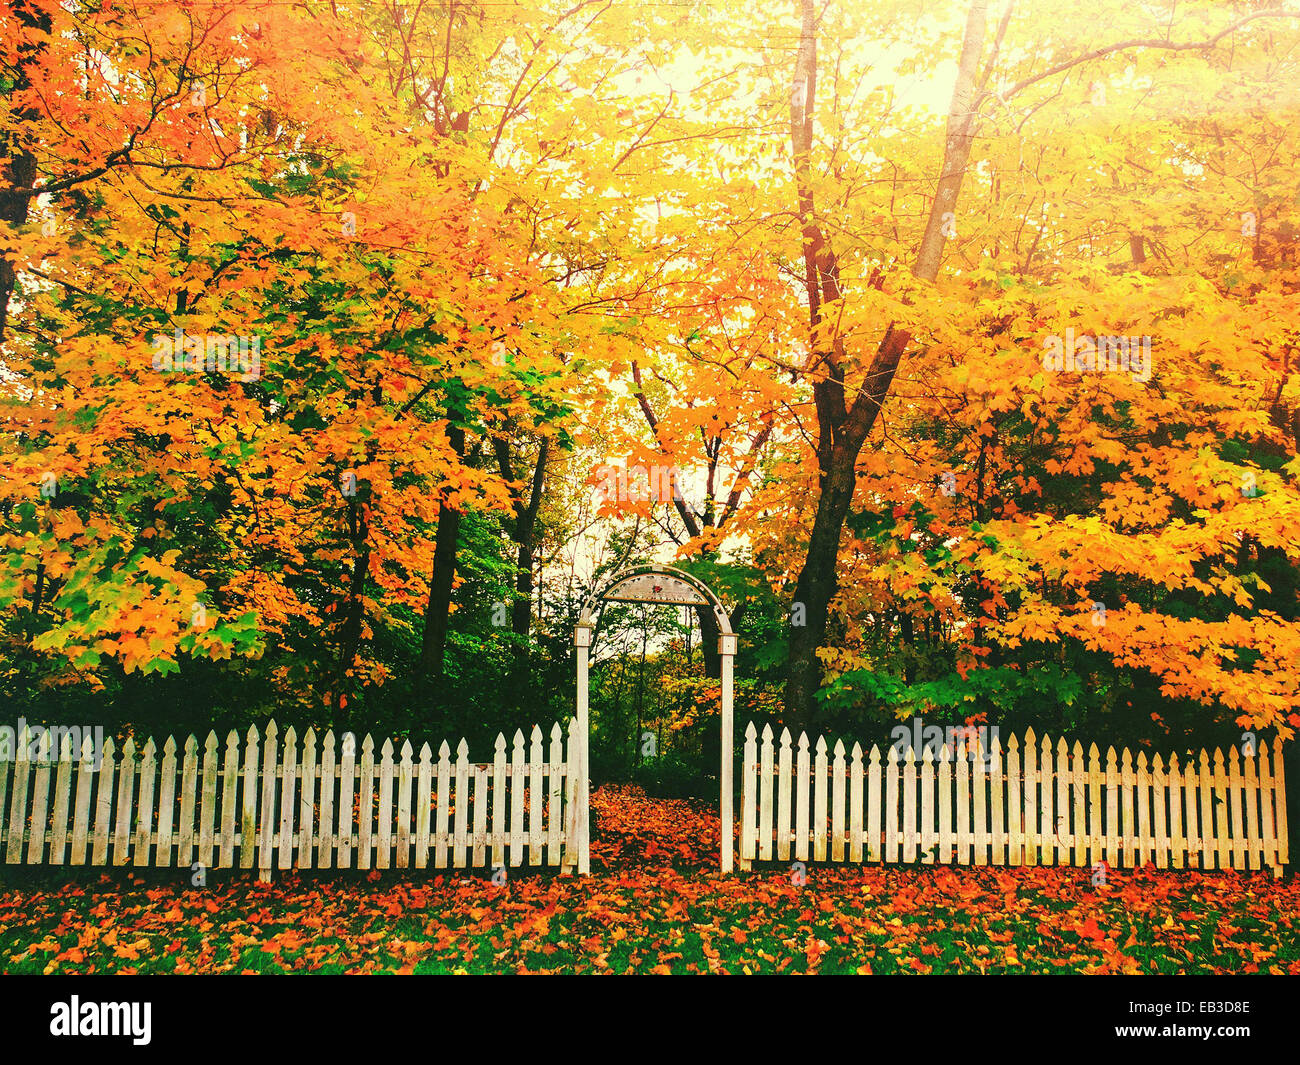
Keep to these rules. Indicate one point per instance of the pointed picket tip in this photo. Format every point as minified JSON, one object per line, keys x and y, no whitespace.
{"x":803,"y":741}
{"x":556,"y":733}
{"x":519,"y":737}
{"x":271,"y":730}
{"x":1062,"y":747}
{"x":251,"y":735}
{"x":170,"y":746}
{"x":290,"y":734}
{"x":1030,"y":735}
{"x":1127,"y":759}
{"x":1158,"y":763}
{"x":65,"y":747}
{"x":839,"y":748}
{"x":88,"y":748}
{"x":875,"y":755}
{"x":1218,"y":756}
{"x":406,"y":750}
{"x":857,"y":752}
{"x":1142,"y":759}
{"x":444,"y":751}
{"x":1173,"y":760}
{"x":148,"y":751}
{"x":232,"y":740}
{"x":750,"y":731}
{"x":191,"y":744}
{"x":309,"y":736}
{"x":1093,"y":753}
{"x":500,"y":744}
{"x":426,"y":753}
{"x":462,"y":748}
{"x":329,"y":738}
{"x":893,"y":754}
{"x":387,"y":750}
{"x":821,"y":745}
{"x":1013,"y":744}
{"x":1078,"y":749}
{"x":109,"y":748}
{"x":536,"y":733}
{"x":927,"y":755}
{"x":785,"y":737}
{"x":368,"y":744}
{"x":211,"y":742}
{"x":128,"y":748}
{"x":767,"y":733}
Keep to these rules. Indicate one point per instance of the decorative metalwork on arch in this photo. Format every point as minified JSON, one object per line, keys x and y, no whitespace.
{"x":657,"y":584}
{"x":663,"y":585}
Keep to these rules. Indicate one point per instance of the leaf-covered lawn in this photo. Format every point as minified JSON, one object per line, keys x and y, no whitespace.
{"x":656,"y":904}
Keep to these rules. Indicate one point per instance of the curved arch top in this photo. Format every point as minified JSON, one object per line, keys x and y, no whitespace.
{"x":639,"y":586}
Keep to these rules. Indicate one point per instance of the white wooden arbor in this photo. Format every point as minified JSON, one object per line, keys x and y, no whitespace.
{"x":656,"y":584}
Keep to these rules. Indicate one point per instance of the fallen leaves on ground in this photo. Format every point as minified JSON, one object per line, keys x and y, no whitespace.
{"x":656,"y":903}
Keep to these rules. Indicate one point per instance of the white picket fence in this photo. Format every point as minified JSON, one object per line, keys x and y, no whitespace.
{"x":1054,"y":807}
{"x":269,"y":804}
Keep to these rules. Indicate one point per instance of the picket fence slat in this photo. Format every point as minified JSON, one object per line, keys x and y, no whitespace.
{"x":837,"y":797}
{"x":40,"y":797}
{"x":229,"y":791}
{"x":81,"y":819}
{"x":62,"y":791}
{"x":855,"y":801}
{"x":208,"y":801}
{"x":748,"y":803}
{"x":802,"y":817}
{"x":365,"y":802}
{"x":405,"y":772}
{"x":384,"y":813}
{"x":783,"y":802}
{"x":423,"y":807}
{"x":819,"y":801}
{"x":144,"y":816}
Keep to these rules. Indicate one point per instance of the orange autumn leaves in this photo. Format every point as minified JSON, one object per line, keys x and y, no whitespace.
{"x":657,"y":905}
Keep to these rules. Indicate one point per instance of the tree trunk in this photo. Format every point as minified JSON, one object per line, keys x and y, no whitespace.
{"x":842,"y":429}
{"x":709,"y":633}
{"x":437,"y":611}
{"x":20,"y":172}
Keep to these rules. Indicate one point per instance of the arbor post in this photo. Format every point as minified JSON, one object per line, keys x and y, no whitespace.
{"x":582,"y":643}
{"x":727,"y":651}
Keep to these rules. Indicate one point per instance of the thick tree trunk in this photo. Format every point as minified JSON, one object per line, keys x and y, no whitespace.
{"x":843,"y":429}
{"x":813,"y":593}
